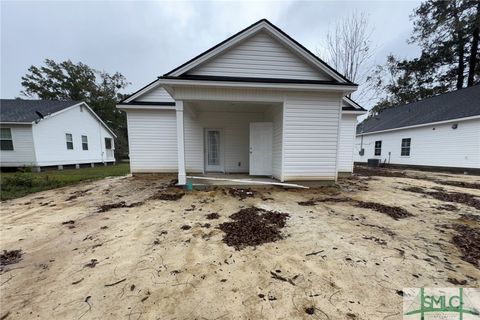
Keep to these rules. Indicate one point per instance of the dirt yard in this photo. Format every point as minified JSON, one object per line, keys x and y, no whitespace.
{"x":135,"y":248}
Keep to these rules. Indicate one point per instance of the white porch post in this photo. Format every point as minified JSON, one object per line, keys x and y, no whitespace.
{"x":182,"y":176}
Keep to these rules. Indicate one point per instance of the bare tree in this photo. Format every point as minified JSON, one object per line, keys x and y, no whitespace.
{"x":348,"y":48}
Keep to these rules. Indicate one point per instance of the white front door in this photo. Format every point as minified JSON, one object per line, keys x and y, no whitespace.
{"x":261,"y":138}
{"x":214,"y":150}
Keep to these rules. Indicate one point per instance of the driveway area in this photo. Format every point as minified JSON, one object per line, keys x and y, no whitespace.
{"x":138,"y":248}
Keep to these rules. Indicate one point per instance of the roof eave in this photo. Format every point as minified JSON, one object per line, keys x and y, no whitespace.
{"x":418,"y":125}
{"x":171,"y":81}
{"x":354,"y":104}
{"x":359,"y":112}
{"x":16,"y":122}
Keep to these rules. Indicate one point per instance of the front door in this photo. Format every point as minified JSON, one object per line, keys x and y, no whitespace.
{"x":261,"y":137}
{"x":213,"y":150}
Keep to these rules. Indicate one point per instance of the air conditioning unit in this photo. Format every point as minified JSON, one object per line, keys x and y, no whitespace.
{"x":373,"y":163}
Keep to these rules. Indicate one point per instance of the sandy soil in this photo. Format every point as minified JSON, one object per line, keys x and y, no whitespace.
{"x":363,"y":257}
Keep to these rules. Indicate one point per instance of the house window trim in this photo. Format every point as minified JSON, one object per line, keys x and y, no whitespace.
{"x":84,"y":144}
{"x":379,"y":148}
{"x":409,"y":148}
{"x":66,"y":141}
{"x":111,"y":143}
{"x":11,"y":140}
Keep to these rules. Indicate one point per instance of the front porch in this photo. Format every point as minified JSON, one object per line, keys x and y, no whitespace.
{"x":229,"y":140}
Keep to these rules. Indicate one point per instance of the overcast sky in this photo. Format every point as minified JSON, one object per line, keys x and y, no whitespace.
{"x":143,"y":40}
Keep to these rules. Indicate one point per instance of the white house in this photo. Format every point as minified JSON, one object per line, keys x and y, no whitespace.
{"x":42,"y":133}
{"x":257,"y":103}
{"x":441,"y":131}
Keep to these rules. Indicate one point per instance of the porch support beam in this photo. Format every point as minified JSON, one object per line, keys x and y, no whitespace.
{"x":182,"y":176}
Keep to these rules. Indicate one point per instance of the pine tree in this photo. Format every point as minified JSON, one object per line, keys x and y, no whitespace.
{"x":448,"y":34}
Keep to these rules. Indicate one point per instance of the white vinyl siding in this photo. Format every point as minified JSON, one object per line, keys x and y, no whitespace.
{"x":235,"y":127}
{"x":50,"y":138}
{"x":347,"y":140}
{"x":260,"y":56}
{"x":443,"y":147}
{"x":275,"y":115}
{"x":158,"y":94}
{"x":152,"y":140}
{"x":311,"y":128}
{"x":23,"y":153}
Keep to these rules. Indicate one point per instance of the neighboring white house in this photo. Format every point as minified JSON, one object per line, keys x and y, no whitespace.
{"x":441,"y":131}
{"x":41,"y":133}
{"x":257,"y":103}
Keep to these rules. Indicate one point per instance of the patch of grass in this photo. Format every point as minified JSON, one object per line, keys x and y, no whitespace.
{"x":18,"y":184}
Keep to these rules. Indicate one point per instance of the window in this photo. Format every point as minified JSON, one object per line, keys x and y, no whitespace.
{"x":378,"y":148}
{"x":69,"y":138}
{"x":84,"y":143}
{"x":6,"y":142}
{"x":108,"y":143}
{"x":405,"y":147}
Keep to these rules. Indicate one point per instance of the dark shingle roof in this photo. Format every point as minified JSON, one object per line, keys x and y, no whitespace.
{"x":17,"y":110}
{"x":448,"y":106}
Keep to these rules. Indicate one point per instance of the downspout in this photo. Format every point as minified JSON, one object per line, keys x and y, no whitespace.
{"x":101,"y":146}
{"x":361,"y":136}
{"x":339,"y":124}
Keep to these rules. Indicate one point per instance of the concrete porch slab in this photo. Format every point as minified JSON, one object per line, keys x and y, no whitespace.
{"x":236,"y":179}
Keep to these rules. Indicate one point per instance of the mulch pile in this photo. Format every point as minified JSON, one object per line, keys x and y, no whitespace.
{"x":121,"y":204}
{"x":92,"y":263}
{"x":384,"y":172}
{"x":76,"y":194}
{"x":447,"y":207}
{"x":461,"y":184}
{"x":10,"y":257}
{"x":252,"y":227}
{"x":457,"y":197}
{"x":394,"y":212}
{"x":168,"y":196}
{"x":241,"y":193}
{"x":313,"y":202}
{"x":212,"y":216}
{"x":468,"y":241}
{"x":379,"y":172}
{"x":470,"y":217}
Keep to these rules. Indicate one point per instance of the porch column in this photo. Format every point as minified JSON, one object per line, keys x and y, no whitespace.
{"x":182,"y":176}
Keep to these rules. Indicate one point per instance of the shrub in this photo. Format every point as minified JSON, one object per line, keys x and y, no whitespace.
{"x":19,"y":179}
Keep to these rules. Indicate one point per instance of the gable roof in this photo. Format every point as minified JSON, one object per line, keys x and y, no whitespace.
{"x":266,"y":25}
{"x":181,"y":72}
{"x":453,"y":105}
{"x":25,"y":111}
